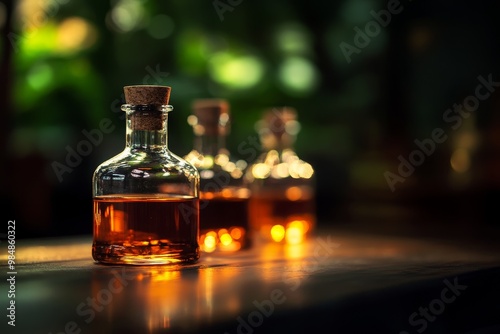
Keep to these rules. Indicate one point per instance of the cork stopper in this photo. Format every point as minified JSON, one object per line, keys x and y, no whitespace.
{"x":147,"y":94}
{"x":276,"y":119}
{"x":147,"y":120}
{"x":212,"y":116}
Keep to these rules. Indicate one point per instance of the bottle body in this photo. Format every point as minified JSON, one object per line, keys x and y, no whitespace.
{"x":146,"y":199}
{"x":224,"y":194}
{"x":282,"y":204}
{"x":224,"y":199}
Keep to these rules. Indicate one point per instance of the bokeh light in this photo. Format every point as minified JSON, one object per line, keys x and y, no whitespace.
{"x":460,"y":160}
{"x":298,"y":75}
{"x":127,"y":15}
{"x":236,"y":71}
{"x":293,"y":39}
{"x":75,"y":34}
{"x":40,"y":76}
{"x":277,"y":233}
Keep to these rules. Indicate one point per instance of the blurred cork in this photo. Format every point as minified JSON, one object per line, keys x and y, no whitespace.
{"x":212,"y":115}
{"x":147,"y":94}
{"x":276,"y":119}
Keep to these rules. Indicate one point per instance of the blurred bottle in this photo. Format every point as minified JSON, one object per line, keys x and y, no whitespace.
{"x":282,"y":204}
{"x":224,"y":193}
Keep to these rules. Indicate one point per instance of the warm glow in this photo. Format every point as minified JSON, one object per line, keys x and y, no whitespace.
{"x":306,"y":170}
{"x":292,"y":127}
{"x":221,"y":159}
{"x":201,"y":161}
{"x":235,"y":246}
{"x":241,"y":164}
{"x":294,"y":169}
{"x":198,"y":130}
{"x":280,"y":171}
{"x":302,"y":225}
{"x":261,"y":171}
{"x":229,"y":167}
{"x":300,"y":169}
{"x":295,"y":251}
{"x":236,"y":233}
{"x":294,"y":235}
{"x":305,"y":226}
{"x":207,"y":195}
{"x":55,"y":252}
{"x":460,"y":160}
{"x":277,"y":233}
{"x":222,"y":231}
{"x":272,"y":157}
{"x":117,"y":220}
{"x":236,"y":173}
{"x":293,"y":193}
{"x":223,"y":119}
{"x":288,"y":155}
{"x":222,"y":240}
{"x":167,"y":275}
{"x":467,"y":140}
{"x":243,"y":193}
{"x":192,"y":120}
{"x":207,"y":161}
{"x":74,"y":34}
{"x":227,"y":193}
{"x":209,"y":243}
{"x":226,"y":239}
{"x":231,"y":246}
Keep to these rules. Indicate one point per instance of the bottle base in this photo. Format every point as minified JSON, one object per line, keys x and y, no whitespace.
{"x":145,"y":255}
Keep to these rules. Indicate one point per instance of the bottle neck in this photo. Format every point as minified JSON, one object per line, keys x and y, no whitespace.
{"x":278,"y":143}
{"x":210,"y":144}
{"x":144,"y":138}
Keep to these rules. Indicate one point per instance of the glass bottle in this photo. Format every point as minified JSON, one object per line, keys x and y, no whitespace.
{"x":282,"y":204}
{"x":223,"y":191}
{"x":146,"y":199}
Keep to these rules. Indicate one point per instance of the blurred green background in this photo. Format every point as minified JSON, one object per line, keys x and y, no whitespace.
{"x":64,"y":64}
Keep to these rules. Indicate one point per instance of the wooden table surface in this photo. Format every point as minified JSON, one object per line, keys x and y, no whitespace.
{"x":339,"y":281}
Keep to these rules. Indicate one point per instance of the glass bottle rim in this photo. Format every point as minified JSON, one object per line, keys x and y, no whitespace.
{"x":131,"y":108}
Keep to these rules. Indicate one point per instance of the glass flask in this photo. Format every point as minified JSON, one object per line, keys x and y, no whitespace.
{"x":282,"y":205}
{"x":146,"y":199}
{"x":224,"y":192}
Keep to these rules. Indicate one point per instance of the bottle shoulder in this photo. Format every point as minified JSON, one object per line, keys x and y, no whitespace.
{"x":153,"y":162}
{"x":282,"y":166}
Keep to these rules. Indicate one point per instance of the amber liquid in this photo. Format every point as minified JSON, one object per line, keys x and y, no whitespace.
{"x":137,"y":229}
{"x":226,"y":219}
{"x":269,"y":210}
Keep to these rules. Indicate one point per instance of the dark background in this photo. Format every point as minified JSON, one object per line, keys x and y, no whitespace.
{"x":64,"y":64}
